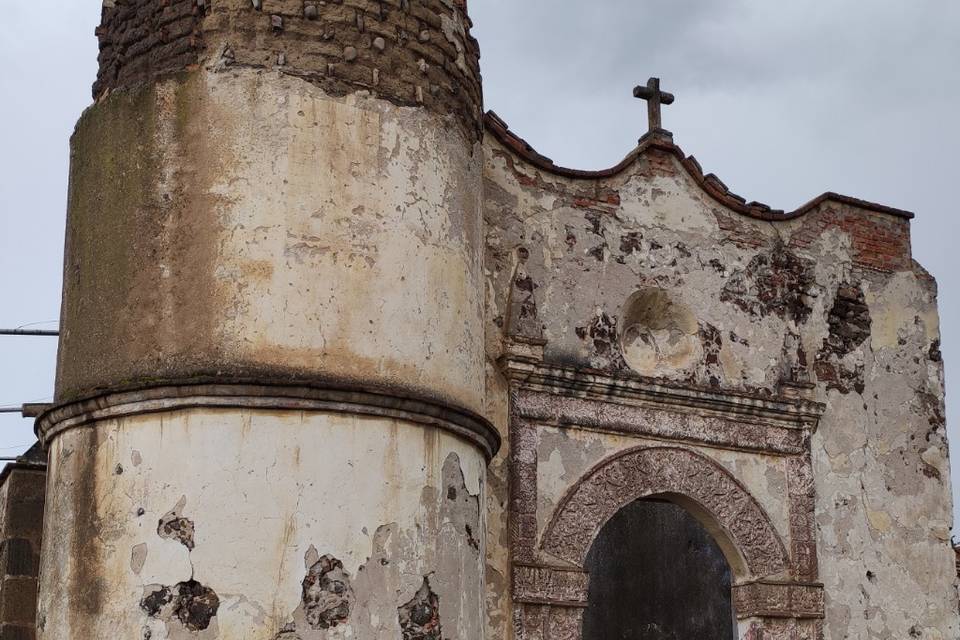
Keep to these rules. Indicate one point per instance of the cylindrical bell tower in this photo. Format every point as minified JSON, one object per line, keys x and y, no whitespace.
{"x":270,"y":378}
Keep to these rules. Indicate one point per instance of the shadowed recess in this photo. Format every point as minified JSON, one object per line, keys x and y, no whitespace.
{"x":656,"y":574}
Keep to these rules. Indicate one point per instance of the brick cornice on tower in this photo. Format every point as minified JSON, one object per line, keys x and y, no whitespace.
{"x":411,"y":53}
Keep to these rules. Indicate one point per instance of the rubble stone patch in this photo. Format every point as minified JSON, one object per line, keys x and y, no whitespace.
{"x":174,"y":526}
{"x":420,"y":616}
{"x":849,"y":320}
{"x":327,"y":595}
{"x":191,"y":604}
{"x":776,"y":282}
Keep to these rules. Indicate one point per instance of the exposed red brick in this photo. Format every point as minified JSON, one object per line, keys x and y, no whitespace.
{"x":879,"y":242}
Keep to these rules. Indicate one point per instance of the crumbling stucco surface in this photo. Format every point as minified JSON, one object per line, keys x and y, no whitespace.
{"x":290,"y":509}
{"x":259,"y":229}
{"x":641,"y":272}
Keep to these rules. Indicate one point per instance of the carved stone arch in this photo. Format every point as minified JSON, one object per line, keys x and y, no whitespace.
{"x":741,"y":527}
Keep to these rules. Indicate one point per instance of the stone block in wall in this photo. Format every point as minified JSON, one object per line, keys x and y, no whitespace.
{"x":19,"y":557}
{"x":22,"y":489}
{"x":18,"y":600}
{"x":17,"y":632}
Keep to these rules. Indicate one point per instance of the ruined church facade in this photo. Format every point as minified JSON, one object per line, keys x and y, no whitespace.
{"x":343,"y":357}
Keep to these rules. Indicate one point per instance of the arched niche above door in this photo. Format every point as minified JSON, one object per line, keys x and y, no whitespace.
{"x":709,"y":492}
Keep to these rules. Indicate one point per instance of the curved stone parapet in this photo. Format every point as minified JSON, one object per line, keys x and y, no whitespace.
{"x":710,"y":183}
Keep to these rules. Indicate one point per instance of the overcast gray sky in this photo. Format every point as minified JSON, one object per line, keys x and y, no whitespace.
{"x":783,"y":100}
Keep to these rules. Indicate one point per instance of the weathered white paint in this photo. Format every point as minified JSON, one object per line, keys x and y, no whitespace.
{"x":261,"y":488}
{"x":350,"y":237}
{"x":299,"y":238}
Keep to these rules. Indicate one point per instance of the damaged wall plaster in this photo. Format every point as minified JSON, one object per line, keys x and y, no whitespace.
{"x":332,"y":570}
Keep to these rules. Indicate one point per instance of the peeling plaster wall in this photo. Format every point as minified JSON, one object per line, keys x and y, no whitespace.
{"x":830,"y":299}
{"x":267,"y":494}
{"x":255,"y":228}
{"x":498,"y":570}
{"x":883,"y":477}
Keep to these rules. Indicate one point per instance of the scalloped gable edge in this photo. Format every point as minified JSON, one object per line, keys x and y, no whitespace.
{"x":710,"y":183}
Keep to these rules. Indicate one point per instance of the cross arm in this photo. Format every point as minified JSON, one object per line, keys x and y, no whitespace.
{"x":646,"y":93}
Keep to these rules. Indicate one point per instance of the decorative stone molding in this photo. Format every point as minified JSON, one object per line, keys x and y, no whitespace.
{"x":544,"y":622}
{"x":550,"y":604}
{"x":564,"y":397}
{"x":529,"y":621}
{"x":764,"y":599}
{"x":559,"y":586}
{"x":785,"y":629}
{"x":267,"y":397}
{"x":556,"y":380}
{"x":803,"y":525}
{"x":523,"y":487}
{"x":524,"y":348}
{"x":644,"y":472}
{"x":650,"y":421}
{"x":565,"y":623}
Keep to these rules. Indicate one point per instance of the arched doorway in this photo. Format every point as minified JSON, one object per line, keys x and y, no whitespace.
{"x":657,"y":574}
{"x":720,"y":510}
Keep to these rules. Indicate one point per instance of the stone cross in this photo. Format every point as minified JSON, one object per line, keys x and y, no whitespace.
{"x":654,"y":97}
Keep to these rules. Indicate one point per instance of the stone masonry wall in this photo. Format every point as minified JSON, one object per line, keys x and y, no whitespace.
{"x":409,"y":52}
{"x":22,"y":488}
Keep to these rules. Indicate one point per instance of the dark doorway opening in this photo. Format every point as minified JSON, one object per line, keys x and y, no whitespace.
{"x":657,"y":574}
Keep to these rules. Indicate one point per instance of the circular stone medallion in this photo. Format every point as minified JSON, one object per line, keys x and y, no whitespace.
{"x":660,"y":336}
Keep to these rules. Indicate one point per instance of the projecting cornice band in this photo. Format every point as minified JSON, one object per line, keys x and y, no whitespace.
{"x":259,"y":397}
